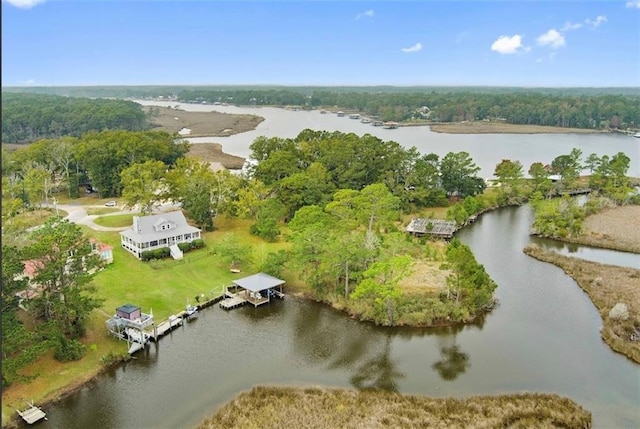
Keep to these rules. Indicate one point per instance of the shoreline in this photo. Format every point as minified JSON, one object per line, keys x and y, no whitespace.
{"x":605,"y":285}
{"x":505,"y":128}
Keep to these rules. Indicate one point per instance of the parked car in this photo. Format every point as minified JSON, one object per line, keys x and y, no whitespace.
{"x":111,"y":203}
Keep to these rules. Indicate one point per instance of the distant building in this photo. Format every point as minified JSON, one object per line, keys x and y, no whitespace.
{"x":158,"y":231}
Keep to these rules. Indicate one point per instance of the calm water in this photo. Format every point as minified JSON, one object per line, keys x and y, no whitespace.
{"x":543,"y":337}
{"x":487,"y":150}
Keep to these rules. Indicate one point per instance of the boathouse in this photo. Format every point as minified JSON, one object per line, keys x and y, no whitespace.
{"x":439,"y":228}
{"x":256,"y":289}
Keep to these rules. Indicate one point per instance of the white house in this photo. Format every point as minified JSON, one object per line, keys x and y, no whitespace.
{"x":157,"y":231}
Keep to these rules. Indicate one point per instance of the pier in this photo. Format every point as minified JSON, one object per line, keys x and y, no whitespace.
{"x":32,"y":414}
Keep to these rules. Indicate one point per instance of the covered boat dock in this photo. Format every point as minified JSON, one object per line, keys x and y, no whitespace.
{"x":256,"y":289}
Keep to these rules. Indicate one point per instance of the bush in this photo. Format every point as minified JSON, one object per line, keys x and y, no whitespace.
{"x":198,"y":243}
{"x":184,"y":247}
{"x":68,"y":350}
{"x":146,"y":255}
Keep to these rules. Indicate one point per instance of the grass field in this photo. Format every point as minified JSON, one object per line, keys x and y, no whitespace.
{"x":116,"y":221}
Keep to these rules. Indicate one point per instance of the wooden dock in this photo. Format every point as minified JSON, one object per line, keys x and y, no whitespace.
{"x":167,"y":326}
{"x":232,"y":302}
{"x":32,"y":414}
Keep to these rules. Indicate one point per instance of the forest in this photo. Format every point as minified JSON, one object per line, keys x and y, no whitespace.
{"x":30,"y":117}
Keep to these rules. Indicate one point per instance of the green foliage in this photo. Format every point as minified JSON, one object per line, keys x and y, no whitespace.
{"x":143,"y":185}
{"x":469,"y":282}
{"x":184,"y":247}
{"x":29,"y":117}
{"x":274,"y":263}
{"x":68,"y":350}
{"x":558,"y":217}
{"x":146,"y":255}
{"x":267,"y":220}
{"x":198,"y":243}
{"x":234,"y":252}
{"x":459,"y":177}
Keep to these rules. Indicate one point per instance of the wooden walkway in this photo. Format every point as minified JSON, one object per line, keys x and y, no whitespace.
{"x":166,"y":326}
{"x":232,"y":302}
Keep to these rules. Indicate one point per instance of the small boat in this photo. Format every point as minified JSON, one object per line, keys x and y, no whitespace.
{"x":340,"y":113}
{"x":365,"y":120}
{"x":637,"y":135}
{"x":390,"y":125}
{"x":191,"y":311}
{"x":354,"y":116}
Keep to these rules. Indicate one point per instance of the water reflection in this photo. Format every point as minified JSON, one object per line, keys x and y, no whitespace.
{"x":379,"y":371}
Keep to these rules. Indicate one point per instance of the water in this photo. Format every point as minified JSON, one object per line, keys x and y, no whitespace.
{"x":487,"y":150}
{"x":543,"y":337}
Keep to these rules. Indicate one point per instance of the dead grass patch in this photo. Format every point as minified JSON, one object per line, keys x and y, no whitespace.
{"x":212,"y":152}
{"x":480,"y":127}
{"x":215,"y":124}
{"x":316,"y":407}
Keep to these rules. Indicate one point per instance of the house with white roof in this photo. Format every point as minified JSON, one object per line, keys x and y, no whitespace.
{"x":158,"y":231}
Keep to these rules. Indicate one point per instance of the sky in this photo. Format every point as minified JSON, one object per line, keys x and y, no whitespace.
{"x":545,"y":43}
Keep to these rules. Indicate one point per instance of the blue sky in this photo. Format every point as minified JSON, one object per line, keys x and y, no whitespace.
{"x":496,"y":43}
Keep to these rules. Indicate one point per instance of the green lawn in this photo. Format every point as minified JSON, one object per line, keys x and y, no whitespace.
{"x":115,"y":221}
{"x":165,"y":286}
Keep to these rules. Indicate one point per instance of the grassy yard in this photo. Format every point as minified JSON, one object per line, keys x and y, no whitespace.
{"x":115,"y":221}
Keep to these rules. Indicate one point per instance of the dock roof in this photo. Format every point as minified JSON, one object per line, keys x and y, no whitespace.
{"x":258,"y":282}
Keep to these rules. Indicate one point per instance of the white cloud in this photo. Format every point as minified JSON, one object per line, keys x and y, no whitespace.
{"x":634,"y":4}
{"x":596,"y":23}
{"x":508,"y":45}
{"x":365,"y":14}
{"x":552,"y":38}
{"x":571,"y":26}
{"x":28,"y":82}
{"x":415,"y":48}
{"x":24,"y":4}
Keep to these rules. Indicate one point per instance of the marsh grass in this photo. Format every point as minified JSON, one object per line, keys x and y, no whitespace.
{"x":316,"y":407}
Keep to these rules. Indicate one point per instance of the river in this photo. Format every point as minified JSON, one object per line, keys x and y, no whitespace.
{"x":487,"y":150}
{"x":543,"y":337}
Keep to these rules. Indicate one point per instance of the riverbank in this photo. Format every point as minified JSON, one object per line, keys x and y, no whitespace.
{"x":481,"y":127}
{"x":317,"y":407}
{"x":607,"y":286}
{"x":200,"y":124}
{"x":613,"y":228}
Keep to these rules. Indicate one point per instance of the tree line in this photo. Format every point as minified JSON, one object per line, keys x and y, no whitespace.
{"x":30,"y":117}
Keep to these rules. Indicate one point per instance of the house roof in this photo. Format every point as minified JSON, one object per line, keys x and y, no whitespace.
{"x":128,"y":308}
{"x":258,"y":282}
{"x":146,"y":227}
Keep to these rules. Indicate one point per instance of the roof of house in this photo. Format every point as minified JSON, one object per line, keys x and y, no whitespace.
{"x":432,"y":226}
{"x":146,"y":227}
{"x":258,"y":282}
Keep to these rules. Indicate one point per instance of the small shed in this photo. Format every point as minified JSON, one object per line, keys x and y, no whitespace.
{"x":129,"y":312}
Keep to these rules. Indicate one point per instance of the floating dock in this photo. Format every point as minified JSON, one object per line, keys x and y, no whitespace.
{"x":32,"y":414}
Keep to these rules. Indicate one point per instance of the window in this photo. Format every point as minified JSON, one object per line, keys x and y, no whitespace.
{"x":163,"y":241}
{"x":153,"y":243}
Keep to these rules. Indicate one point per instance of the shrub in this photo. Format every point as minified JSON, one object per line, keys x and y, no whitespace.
{"x":198,"y":243}
{"x":68,"y":350}
{"x":146,"y":255}
{"x":184,"y":247}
